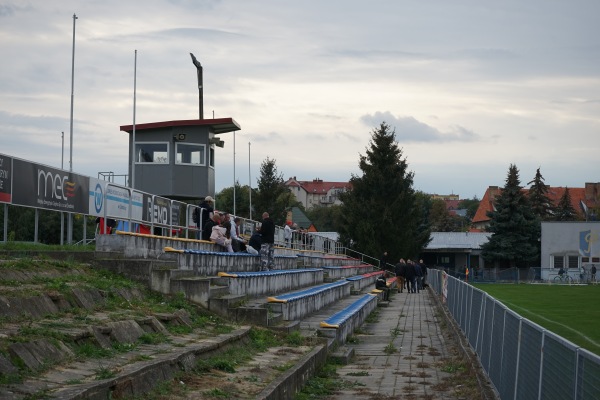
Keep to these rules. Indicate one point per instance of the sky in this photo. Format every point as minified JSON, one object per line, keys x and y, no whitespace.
{"x":469,"y":87}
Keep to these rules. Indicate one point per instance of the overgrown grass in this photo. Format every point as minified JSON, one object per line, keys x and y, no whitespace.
{"x":30,"y":246}
{"x":569,"y":311}
{"x":324,"y":383}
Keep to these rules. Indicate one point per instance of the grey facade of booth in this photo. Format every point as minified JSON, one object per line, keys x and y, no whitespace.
{"x":173,"y":178}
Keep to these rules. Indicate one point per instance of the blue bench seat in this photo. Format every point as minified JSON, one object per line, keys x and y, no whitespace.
{"x":342,"y":316}
{"x":289,"y":297}
{"x":363,"y":276}
{"x":273,"y":272}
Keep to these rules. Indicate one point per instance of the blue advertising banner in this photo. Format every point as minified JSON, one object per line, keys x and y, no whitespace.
{"x":40,"y":186}
{"x":585,"y":243}
{"x":5,"y":178}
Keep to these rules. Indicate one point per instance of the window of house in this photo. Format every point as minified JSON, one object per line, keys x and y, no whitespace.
{"x":585,"y":259}
{"x":152,"y":152}
{"x":573,"y":261}
{"x":558,"y":262}
{"x":445,"y":260}
{"x":190,"y":154}
{"x":595,"y":259}
{"x":211,"y":158}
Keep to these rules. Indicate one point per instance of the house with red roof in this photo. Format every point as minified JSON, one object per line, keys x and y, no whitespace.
{"x":585,"y":201}
{"x":317,"y":192}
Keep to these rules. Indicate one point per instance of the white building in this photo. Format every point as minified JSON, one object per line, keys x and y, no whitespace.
{"x":317,"y":192}
{"x":569,"y":245}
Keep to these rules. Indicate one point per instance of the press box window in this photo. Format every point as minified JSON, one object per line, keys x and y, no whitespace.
{"x":152,"y":153}
{"x":189,"y":154}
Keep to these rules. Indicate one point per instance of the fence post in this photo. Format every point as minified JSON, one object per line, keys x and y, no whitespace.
{"x":541,"y":365}
{"x":36,"y":225}
{"x":518,"y":358}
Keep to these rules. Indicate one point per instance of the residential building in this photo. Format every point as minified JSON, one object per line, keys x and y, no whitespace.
{"x":585,"y":201}
{"x":317,"y":193}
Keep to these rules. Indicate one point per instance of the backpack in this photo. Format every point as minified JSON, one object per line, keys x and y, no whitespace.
{"x":196,"y":215}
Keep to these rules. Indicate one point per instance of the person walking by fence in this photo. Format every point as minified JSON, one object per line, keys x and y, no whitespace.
{"x":410,"y":274}
{"x":418,"y":276}
{"x":593,"y":273}
{"x":287,"y":234}
{"x":400,"y":271}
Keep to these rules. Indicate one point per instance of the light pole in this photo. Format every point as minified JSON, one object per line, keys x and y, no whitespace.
{"x":70,"y":222}
{"x":200,"y":89}
{"x":132,"y":180}
{"x":72,"y":96}
{"x":234,"y":173}
{"x":249,"y":186}
{"x":62,"y":155}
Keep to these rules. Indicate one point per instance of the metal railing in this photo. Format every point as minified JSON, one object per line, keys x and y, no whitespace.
{"x":522,"y":359}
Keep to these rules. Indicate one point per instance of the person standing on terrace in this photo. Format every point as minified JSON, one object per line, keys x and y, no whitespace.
{"x":267,"y":231}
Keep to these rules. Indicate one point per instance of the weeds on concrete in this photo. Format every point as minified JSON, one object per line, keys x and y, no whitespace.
{"x":324,"y":383}
{"x":372,"y":317}
{"x":390,"y":349}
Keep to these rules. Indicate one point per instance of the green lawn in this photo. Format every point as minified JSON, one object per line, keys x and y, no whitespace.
{"x":572,"y":312}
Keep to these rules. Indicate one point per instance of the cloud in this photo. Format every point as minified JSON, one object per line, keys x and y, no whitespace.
{"x":409,"y":129}
{"x":268,"y":138}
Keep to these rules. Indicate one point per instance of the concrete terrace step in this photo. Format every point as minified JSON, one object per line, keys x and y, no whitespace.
{"x":361,"y":282}
{"x":344,"y":271}
{"x":267,"y":282}
{"x":296,"y":305}
{"x":344,"y":322}
{"x":209,"y":263}
{"x":320,"y":259}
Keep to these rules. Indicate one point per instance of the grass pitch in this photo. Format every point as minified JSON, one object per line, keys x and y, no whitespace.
{"x":572,"y":312}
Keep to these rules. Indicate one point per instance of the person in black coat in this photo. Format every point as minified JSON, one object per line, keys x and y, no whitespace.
{"x":411,"y":277}
{"x":381,"y":284}
{"x":267,"y":231}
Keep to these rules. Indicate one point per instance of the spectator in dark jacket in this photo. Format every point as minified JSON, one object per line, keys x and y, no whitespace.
{"x":410,"y":274}
{"x":381,"y":284}
{"x":255,"y":243}
{"x":418,"y":276}
{"x":207,"y":229}
{"x":267,"y":231}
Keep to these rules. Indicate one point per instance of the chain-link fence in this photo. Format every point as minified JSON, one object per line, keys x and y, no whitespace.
{"x":522,"y":359}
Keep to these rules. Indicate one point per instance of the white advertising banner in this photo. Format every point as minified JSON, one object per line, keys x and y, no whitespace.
{"x":137,"y":206}
{"x":117,"y":201}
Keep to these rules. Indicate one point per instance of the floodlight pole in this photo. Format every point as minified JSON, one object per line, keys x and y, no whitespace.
{"x":234,"y":173}
{"x":249,"y":186}
{"x":132,"y":180}
{"x":200,"y":88}
{"x":70,"y":215}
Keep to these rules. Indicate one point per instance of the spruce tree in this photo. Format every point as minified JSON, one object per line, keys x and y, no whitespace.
{"x":538,"y":197}
{"x":564,"y":209}
{"x":515,"y":228}
{"x":380,"y":212}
